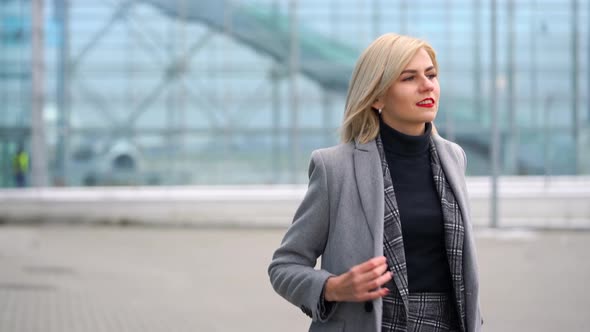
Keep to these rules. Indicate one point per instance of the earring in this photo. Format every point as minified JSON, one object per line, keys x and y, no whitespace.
{"x":379,"y":110}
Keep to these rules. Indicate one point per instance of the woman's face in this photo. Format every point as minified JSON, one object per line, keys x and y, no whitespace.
{"x":412,"y":99}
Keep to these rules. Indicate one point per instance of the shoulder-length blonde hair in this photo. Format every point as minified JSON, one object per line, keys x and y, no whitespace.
{"x":376,"y":69}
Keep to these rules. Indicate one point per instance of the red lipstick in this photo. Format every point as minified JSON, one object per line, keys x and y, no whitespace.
{"x":427,"y":103}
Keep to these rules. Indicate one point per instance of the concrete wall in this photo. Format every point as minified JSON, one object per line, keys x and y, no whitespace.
{"x":556,"y":202}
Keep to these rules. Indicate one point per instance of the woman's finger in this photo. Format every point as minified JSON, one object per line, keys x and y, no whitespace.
{"x":381,"y":292}
{"x":369,"y":265}
{"x":373,"y":274}
{"x":375,"y":283}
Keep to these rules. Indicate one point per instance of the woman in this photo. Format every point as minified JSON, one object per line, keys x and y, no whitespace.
{"x":387,"y":210}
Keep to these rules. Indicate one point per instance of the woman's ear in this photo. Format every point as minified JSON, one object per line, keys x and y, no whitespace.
{"x":378,"y":104}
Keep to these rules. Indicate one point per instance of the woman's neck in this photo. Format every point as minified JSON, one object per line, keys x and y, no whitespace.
{"x":411,"y":129}
{"x":399,"y":143}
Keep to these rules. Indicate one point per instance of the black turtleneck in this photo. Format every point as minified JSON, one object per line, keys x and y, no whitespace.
{"x":408,"y":158}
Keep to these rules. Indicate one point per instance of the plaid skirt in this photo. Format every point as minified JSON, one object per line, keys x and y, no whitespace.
{"x":429,"y":312}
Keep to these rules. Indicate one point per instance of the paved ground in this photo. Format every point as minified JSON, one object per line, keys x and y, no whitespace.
{"x":88,"y":278}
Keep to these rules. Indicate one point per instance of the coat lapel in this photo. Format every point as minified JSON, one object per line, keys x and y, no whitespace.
{"x":455,"y":178}
{"x":454,"y":230}
{"x":393,"y":244}
{"x":367,"y":169}
{"x":453,"y":174}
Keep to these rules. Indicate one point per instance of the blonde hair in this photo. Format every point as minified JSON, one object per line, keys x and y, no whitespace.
{"x":377,"y":68}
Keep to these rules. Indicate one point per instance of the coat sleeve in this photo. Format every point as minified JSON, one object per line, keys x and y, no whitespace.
{"x":292,"y":273}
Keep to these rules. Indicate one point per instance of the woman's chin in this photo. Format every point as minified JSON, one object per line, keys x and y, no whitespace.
{"x":427,"y":118}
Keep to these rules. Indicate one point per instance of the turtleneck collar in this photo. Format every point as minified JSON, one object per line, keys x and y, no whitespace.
{"x":402,"y":144}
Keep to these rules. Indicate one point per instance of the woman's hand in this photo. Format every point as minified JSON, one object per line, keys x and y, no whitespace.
{"x":361,"y":283}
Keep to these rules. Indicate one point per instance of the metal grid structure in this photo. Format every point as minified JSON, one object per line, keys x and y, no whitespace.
{"x":239,"y":92}
{"x":15,"y":80}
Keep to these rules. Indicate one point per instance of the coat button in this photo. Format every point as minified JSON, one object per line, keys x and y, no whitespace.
{"x":369,"y":306}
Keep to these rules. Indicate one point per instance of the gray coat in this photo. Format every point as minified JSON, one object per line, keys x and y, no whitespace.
{"x":341,"y":220}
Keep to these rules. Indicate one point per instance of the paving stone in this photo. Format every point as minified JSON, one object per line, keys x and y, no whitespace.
{"x":69,"y":278}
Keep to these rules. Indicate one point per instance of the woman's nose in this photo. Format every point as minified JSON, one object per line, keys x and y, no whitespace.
{"x":427,"y":85}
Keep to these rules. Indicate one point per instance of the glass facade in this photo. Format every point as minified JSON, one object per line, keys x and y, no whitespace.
{"x":15,"y":83}
{"x":161,"y":92}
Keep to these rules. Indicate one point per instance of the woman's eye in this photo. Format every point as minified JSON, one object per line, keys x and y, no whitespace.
{"x":409,"y":78}
{"x":431,"y":76}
